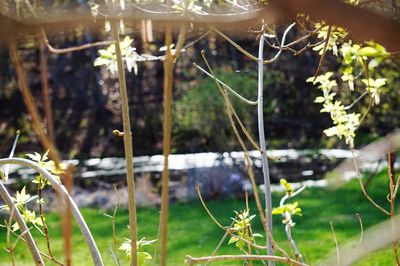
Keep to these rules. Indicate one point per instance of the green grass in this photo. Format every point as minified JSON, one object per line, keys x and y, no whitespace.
{"x":191,"y":231}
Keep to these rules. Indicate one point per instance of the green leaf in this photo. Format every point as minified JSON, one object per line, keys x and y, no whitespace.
{"x":279,"y":210}
{"x":369,"y":51}
{"x":233,"y":240}
{"x":34,"y":157}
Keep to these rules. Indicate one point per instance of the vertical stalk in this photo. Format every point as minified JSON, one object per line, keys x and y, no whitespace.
{"x":44,"y":139}
{"x":267,"y":183}
{"x":30,"y":102}
{"x":46,"y":91}
{"x":127,"y":143}
{"x":168,"y":78}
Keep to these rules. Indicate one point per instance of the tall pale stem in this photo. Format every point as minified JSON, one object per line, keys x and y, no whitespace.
{"x":267,"y":183}
{"x":127,"y":143}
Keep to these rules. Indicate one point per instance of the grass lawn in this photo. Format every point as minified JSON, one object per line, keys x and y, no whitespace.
{"x":191,"y":231}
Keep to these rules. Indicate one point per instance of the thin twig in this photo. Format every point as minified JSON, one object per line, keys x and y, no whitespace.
{"x":113,"y":223}
{"x":227,"y":229}
{"x":249,"y":55}
{"x":113,"y":255}
{"x":221,"y":241}
{"x":77,"y":48}
{"x":225,"y":86}
{"x":44,"y":254}
{"x":282,"y":44}
{"x":230,"y":110}
{"x":328,"y":35}
{"x":181,"y":40}
{"x":358,"y":216}
{"x":362,"y":185}
{"x":14,"y":146}
{"x":288,"y":231}
{"x":356,"y":100}
{"x":196,"y":40}
{"x":192,"y":260}
{"x":8,"y":225}
{"x":336,"y":242}
{"x":229,"y":104}
{"x":20,"y":220}
{"x":41,"y":215}
{"x":207,"y":210}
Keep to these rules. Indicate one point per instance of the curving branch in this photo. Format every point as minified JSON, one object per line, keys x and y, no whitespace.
{"x":225,"y":86}
{"x":281,"y":46}
{"x":21,"y":223}
{"x":62,"y":191}
{"x":367,"y":196}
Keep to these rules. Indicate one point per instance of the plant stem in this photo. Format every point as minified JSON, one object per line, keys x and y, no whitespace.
{"x":168,"y":78}
{"x":362,"y":185}
{"x":46,"y":92}
{"x":127,"y":144}
{"x":21,"y":223}
{"x":44,"y":139}
{"x":392,"y":188}
{"x":267,"y":182}
{"x":191,"y":260}
{"x":336,"y":243}
{"x":30,"y":102}
{"x":41,"y":214}
{"x":59,"y":188}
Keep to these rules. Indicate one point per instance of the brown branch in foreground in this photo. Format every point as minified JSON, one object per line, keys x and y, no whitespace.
{"x":66,"y":215}
{"x":32,"y":109}
{"x":44,"y":80}
{"x":168,"y":79}
{"x":167,"y":129}
{"x":30,"y":102}
{"x":363,"y":24}
{"x":192,"y":260}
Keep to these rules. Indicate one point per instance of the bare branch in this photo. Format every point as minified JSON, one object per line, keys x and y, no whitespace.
{"x":192,"y":260}
{"x":63,"y":191}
